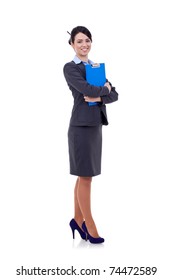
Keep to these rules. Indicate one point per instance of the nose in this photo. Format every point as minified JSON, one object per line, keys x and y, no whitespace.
{"x":84,"y":44}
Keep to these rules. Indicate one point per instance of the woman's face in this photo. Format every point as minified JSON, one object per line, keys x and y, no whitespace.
{"x":81,"y":45}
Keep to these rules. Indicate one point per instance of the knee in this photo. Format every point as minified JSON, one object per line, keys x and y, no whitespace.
{"x":85,"y":180}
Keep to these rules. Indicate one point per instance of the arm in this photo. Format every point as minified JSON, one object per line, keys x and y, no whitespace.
{"x":112,"y":97}
{"x":75,"y":80}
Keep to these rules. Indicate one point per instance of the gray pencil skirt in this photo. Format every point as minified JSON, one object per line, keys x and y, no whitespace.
{"x":85,"y":150}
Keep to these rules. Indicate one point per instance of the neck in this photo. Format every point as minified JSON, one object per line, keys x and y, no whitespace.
{"x":83,"y":58}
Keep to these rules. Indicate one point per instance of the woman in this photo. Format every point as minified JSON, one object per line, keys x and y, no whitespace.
{"x":85,"y":131}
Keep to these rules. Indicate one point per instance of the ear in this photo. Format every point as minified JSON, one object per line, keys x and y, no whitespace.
{"x":72,"y":45}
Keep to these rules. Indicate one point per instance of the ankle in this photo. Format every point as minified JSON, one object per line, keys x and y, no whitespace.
{"x":79,"y":221}
{"x":92,"y":229}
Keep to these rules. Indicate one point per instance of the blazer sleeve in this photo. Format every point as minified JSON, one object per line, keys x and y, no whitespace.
{"x":112,"y":97}
{"x":76,"y":80}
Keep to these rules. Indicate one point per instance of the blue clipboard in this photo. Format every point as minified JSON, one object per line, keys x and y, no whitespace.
{"x":96,"y":76}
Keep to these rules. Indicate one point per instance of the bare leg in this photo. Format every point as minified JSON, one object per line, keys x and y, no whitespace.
{"x":77,"y":211}
{"x":84,"y":202}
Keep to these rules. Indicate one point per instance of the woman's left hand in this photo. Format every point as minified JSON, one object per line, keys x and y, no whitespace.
{"x":92,"y":99}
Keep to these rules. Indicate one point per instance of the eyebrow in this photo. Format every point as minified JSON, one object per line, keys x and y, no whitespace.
{"x":80,"y":39}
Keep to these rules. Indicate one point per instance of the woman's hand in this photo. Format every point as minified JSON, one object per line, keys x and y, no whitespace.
{"x":108,"y":86}
{"x":92,"y":99}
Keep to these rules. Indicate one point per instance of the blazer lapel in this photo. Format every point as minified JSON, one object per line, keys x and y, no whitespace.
{"x":81,"y":66}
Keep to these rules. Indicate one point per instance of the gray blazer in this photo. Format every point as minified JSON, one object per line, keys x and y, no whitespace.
{"x":82,"y":113}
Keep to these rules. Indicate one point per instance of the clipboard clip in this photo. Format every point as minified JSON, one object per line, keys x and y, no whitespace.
{"x":95,"y":65}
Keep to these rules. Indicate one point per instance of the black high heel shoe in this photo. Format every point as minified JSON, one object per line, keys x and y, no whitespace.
{"x":94,"y":240}
{"x":74,"y":226}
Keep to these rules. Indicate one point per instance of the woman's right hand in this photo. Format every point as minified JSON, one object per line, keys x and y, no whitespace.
{"x":108,"y":86}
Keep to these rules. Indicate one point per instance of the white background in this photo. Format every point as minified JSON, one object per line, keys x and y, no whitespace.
{"x":131,"y":200}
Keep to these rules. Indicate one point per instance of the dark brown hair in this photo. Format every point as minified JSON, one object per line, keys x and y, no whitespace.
{"x":77,"y":30}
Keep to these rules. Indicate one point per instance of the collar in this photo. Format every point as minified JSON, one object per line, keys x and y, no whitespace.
{"x":77,"y":60}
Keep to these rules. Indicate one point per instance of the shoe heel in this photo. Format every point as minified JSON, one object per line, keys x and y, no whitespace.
{"x":86,"y":236}
{"x":73,"y":233}
{"x":74,"y":226}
